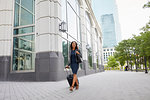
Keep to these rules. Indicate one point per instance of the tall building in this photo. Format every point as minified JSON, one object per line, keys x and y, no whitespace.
{"x":35,"y":36}
{"x":106,"y":12}
{"x":103,"y":8}
{"x":108,"y":31}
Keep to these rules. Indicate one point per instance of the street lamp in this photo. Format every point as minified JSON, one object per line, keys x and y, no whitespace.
{"x":87,"y":46}
{"x":63,"y":26}
{"x":135,"y":60}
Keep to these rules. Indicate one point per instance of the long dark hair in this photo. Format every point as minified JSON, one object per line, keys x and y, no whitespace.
{"x":76,"y":45}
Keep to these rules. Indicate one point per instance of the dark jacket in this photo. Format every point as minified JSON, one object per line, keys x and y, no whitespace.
{"x":69,"y":60}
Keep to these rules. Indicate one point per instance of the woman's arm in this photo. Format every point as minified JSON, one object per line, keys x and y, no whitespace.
{"x":79,"y":53}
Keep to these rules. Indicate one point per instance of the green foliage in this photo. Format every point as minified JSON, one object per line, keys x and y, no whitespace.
{"x":112,"y":62}
{"x":147,"y":5}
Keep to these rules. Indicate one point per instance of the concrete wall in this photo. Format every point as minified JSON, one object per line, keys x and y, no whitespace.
{"x":6,"y":30}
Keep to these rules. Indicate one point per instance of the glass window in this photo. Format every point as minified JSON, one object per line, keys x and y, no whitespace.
{"x":88,"y":23}
{"x":65,"y":51}
{"x":23,"y":44}
{"x":18,"y":1}
{"x":24,"y":12}
{"x":26,"y":17}
{"x":23,"y":53}
{"x":72,"y":3}
{"x":89,"y":40}
{"x":72,"y":23}
{"x":64,"y":10}
{"x":16,"y":18}
{"x":23,"y":30}
{"x":90,"y":59}
{"x":79,"y":32}
{"x":78,"y":8}
{"x":28,"y":4}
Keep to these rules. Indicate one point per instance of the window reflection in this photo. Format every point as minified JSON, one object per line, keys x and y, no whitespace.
{"x":26,"y":17}
{"x":23,"y":55}
{"x":65,"y":51}
{"x":23,"y":30}
{"x":72,"y":23}
{"x":28,"y":4}
{"x":23,"y":43}
{"x":24,"y":12}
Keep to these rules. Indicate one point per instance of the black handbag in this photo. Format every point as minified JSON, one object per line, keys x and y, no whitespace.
{"x":79,"y":58}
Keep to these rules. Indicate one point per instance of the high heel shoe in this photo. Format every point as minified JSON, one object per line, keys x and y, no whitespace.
{"x":71,"y":88}
{"x":77,"y":87}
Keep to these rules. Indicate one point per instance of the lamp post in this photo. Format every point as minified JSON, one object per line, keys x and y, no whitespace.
{"x":127,"y":56}
{"x":135,"y":60}
{"x":145,"y":60}
{"x":130,"y":62}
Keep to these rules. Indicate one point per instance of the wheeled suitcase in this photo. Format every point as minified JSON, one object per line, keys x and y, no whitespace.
{"x":70,"y":80}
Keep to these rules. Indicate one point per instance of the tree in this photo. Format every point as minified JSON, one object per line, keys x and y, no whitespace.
{"x":112,"y":62}
{"x":138,"y":47}
{"x":147,"y":5}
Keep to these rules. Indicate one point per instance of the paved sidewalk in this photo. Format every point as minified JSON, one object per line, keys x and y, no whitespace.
{"x":109,"y":85}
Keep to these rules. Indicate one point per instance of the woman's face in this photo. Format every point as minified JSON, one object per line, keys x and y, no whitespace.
{"x":73,"y":45}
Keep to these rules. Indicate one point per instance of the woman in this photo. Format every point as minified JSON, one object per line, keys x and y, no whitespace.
{"x":73,"y":62}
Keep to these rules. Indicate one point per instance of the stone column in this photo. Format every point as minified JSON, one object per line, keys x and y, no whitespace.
{"x":94,"y":48}
{"x":6,"y":32}
{"x":49,"y":58}
{"x":84,"y":38}
{"x":99,"y":53}
{"x":101,"y":56}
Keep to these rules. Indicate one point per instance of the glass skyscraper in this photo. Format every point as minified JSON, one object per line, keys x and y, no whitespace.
{"x":108,"y":30}
{"x":107,"y":13}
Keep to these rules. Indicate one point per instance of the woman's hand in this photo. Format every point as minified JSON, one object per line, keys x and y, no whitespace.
{"x":77,"y":52}
{"x":67,"y":67}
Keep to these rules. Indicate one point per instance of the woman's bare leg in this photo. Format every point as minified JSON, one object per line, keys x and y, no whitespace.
{"x":77,"y":87}
{"x":77,"y":80}
{"x":74,"y":80}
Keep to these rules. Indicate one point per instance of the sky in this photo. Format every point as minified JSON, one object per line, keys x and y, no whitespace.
{"x":131,"y":14}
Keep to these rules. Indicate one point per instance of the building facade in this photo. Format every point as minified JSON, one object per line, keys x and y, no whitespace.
{"x":35,"y":36}
{"x":108,"y":52}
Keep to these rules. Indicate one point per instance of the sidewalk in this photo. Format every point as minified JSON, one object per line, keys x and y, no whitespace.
{"x":109,"y":85}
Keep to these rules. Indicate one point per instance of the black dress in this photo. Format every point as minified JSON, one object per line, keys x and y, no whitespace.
{"x":74,"y":64}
